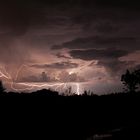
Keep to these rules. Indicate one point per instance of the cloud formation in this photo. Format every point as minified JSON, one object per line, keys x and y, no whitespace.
{"x":94,"y":54}
{"x":58,"y":65}
{"x":108,"y":58}
{"x":57,"y":35}
{"x":97,"y":42}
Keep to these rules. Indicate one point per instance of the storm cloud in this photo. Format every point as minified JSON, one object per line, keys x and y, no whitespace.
{"x":93,"y":54}
{"x":98,"y":42}
{"x":60,"y":35}
{"x":108,"y":58}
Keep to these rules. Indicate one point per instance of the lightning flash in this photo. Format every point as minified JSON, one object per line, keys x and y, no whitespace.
{"x":31,"y":86}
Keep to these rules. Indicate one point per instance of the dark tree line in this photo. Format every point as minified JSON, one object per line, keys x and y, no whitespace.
{"x":131,"y":80}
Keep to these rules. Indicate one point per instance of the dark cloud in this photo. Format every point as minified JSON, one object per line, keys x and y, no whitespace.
{"x":115,"y":40}
{"x":18,"y":17}
{"x":107,"y":27}
{"x":14,"y":17}
{"x":115,"y":67}
{"x":106,"y":50}
{"x":98,"y":42}
{"x":108,"y":58}
{"x":59,"y":65}
{"x":94,"y":54}
{"x":77,"y":43}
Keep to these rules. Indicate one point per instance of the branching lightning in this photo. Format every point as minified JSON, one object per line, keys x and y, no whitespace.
{"x":31,"y":86}
{"x":6,"y":75}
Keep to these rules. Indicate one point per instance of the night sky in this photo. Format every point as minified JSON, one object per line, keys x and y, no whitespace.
{"x":89,"y":42}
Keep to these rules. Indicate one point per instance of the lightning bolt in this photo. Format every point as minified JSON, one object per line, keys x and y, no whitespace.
{"x":78,"y":89}
{"x":3,"y":75}
{"x":31,"y":86}
{"x":6,"y":75}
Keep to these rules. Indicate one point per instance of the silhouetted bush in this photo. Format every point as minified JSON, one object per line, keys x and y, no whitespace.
{"x":45,"y":92}
{"x":131,"y":80}
{"x":88,"y":93}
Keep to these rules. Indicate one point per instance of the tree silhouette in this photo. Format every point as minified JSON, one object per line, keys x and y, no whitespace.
{"x":2,"y":89}
{"x":137,"y":73}
{"x":131,"y":80}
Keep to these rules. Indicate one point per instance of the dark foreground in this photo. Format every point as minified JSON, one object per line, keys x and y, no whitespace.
{"x":45,"y":115}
